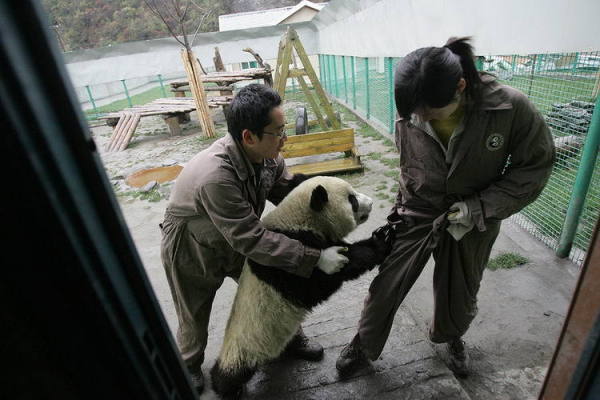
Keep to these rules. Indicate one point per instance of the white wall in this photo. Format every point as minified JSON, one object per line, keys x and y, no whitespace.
{"x":396,"y":27}
{"x":367,"y":28}
{"x":162,"y":56}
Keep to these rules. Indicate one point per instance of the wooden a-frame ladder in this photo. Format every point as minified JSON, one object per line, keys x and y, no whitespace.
{"x":320,"y":105}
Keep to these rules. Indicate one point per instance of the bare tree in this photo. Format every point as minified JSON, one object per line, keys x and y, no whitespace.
{"x":175,"y":15}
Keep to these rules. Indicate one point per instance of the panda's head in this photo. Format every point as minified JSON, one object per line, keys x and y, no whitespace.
{"x":324,"y":205}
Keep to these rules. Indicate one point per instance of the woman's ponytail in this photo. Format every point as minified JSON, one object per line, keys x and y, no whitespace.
{"x":462,"y":48}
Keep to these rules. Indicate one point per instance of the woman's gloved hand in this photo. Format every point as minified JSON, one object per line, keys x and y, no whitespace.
{"x":331,"y":261}
{"x":461,"y":221}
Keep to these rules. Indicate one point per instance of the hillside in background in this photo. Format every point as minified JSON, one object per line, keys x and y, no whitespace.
{"x":86,"y":24}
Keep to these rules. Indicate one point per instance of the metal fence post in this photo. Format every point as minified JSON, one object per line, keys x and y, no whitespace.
{"x":367,"y":87}
{"x":321,"y":68}
{"x":390,"y":84}
{"x":89,"y":92}
{"x":582,"y":184}
{"x":513,"y":62}
{"x":327,"y":76}
{"x":479,"y":62}
{"x":126,"y":93}
{"x":352,"y":61}
{"x":575,"y":62}
{"x":345,"y":80}
{"x":335,"y":76}
{"x":326,"y":72}
{"x":162,"y":86}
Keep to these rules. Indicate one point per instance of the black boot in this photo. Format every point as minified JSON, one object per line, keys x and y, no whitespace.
{"x":197,"y":379}
{"x":303,"y":348}
{"x":458,"y":358}
{"x":352,"y":358}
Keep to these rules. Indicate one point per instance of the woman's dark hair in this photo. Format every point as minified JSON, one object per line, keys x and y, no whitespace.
{"x":429,"y":76}
{"x":250,"y":109}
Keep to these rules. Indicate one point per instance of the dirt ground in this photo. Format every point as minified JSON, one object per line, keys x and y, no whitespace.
{"x":511,"y":341}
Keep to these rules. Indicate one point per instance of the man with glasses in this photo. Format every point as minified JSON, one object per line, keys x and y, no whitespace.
{"x":212,"y":222}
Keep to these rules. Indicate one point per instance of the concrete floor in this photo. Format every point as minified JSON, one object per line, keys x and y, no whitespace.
{"x":511,"y":341}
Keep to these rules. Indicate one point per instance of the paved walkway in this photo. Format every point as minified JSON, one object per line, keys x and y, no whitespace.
{"x":511,"y":341}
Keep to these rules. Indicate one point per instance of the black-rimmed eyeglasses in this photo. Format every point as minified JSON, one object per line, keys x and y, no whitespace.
{"x":281,"y":134}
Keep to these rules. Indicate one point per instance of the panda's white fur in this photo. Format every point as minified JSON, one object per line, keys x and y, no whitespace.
{"x":259,"y":319}
{"x":262,"y":322}
{"x":336,"y":221}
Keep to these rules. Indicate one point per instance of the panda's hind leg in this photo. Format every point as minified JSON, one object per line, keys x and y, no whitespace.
{"x":229,"y":384}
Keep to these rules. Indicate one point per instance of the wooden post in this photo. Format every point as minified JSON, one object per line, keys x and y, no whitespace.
{"x":268,"y":79}
{"x":218,"y":61}
{"x":173,"y":124}
{"x":183,"y":117}
{"x":192,"y":67}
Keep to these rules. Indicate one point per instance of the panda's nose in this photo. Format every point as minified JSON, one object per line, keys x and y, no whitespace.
{"x":365,"y":201}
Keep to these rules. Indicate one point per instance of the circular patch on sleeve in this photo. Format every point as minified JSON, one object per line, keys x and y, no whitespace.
{"x":494,"y":142}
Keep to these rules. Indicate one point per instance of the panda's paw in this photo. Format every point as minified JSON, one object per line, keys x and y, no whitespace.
{"x":229,"y":385}
{"x":382,"y":239}
{"x":234,"y":394}
{"x":297,"y":179}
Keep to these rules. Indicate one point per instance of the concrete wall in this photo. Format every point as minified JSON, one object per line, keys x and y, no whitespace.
{"x":369,"y":28}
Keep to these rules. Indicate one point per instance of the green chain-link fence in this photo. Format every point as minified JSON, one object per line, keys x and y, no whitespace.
{"x":564,"y":87}
{"x":103,"y":98}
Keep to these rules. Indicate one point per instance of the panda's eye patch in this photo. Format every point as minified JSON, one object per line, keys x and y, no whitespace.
{"x":352,"y":199}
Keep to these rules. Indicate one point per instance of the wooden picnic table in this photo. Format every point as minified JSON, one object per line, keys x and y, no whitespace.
{"x":225,"y":76}
{"x":173,"y":110}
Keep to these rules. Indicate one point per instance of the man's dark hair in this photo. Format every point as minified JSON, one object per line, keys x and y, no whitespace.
{"x":429,"y":76}
{"x":250,"y":109}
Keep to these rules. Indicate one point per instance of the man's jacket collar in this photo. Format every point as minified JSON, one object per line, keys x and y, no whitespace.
{"x":239,"y":159}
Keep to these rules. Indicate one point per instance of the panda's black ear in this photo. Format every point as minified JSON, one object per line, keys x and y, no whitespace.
{"x":318,"y":198}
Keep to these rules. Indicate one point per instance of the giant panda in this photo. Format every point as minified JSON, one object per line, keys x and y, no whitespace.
{"x":270,"y":303}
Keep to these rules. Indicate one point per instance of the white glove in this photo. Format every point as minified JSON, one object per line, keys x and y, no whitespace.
{"x":331,"y":261}
{"x":461,"y":221}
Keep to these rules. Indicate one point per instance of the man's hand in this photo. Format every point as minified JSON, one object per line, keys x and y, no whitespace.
{"x":331,"y":261}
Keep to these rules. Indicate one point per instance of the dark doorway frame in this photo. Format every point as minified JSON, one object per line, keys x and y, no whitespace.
{"x":79,"y":317}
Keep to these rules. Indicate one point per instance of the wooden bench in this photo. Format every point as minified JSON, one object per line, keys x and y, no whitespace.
{"x":341,"y":140}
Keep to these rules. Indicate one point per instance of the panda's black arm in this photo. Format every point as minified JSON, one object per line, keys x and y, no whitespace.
{"x":285,"y":186}
{"x":363,"y":256}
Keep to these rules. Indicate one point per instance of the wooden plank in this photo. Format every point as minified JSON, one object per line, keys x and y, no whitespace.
{"x":192,"y":68}
{"x":321,"y":135}
{"x":322,"y":142}
{"x":218,"y":61}
{"x":315,"y":149}
{"x":326,"y":167}
{"x":123,"y":132}
{"x":297,"y":72}
{"x":280,"y":49}
{"x":117,"y":130}
{"x":129,"y":133}
{"x":285,"y":65}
